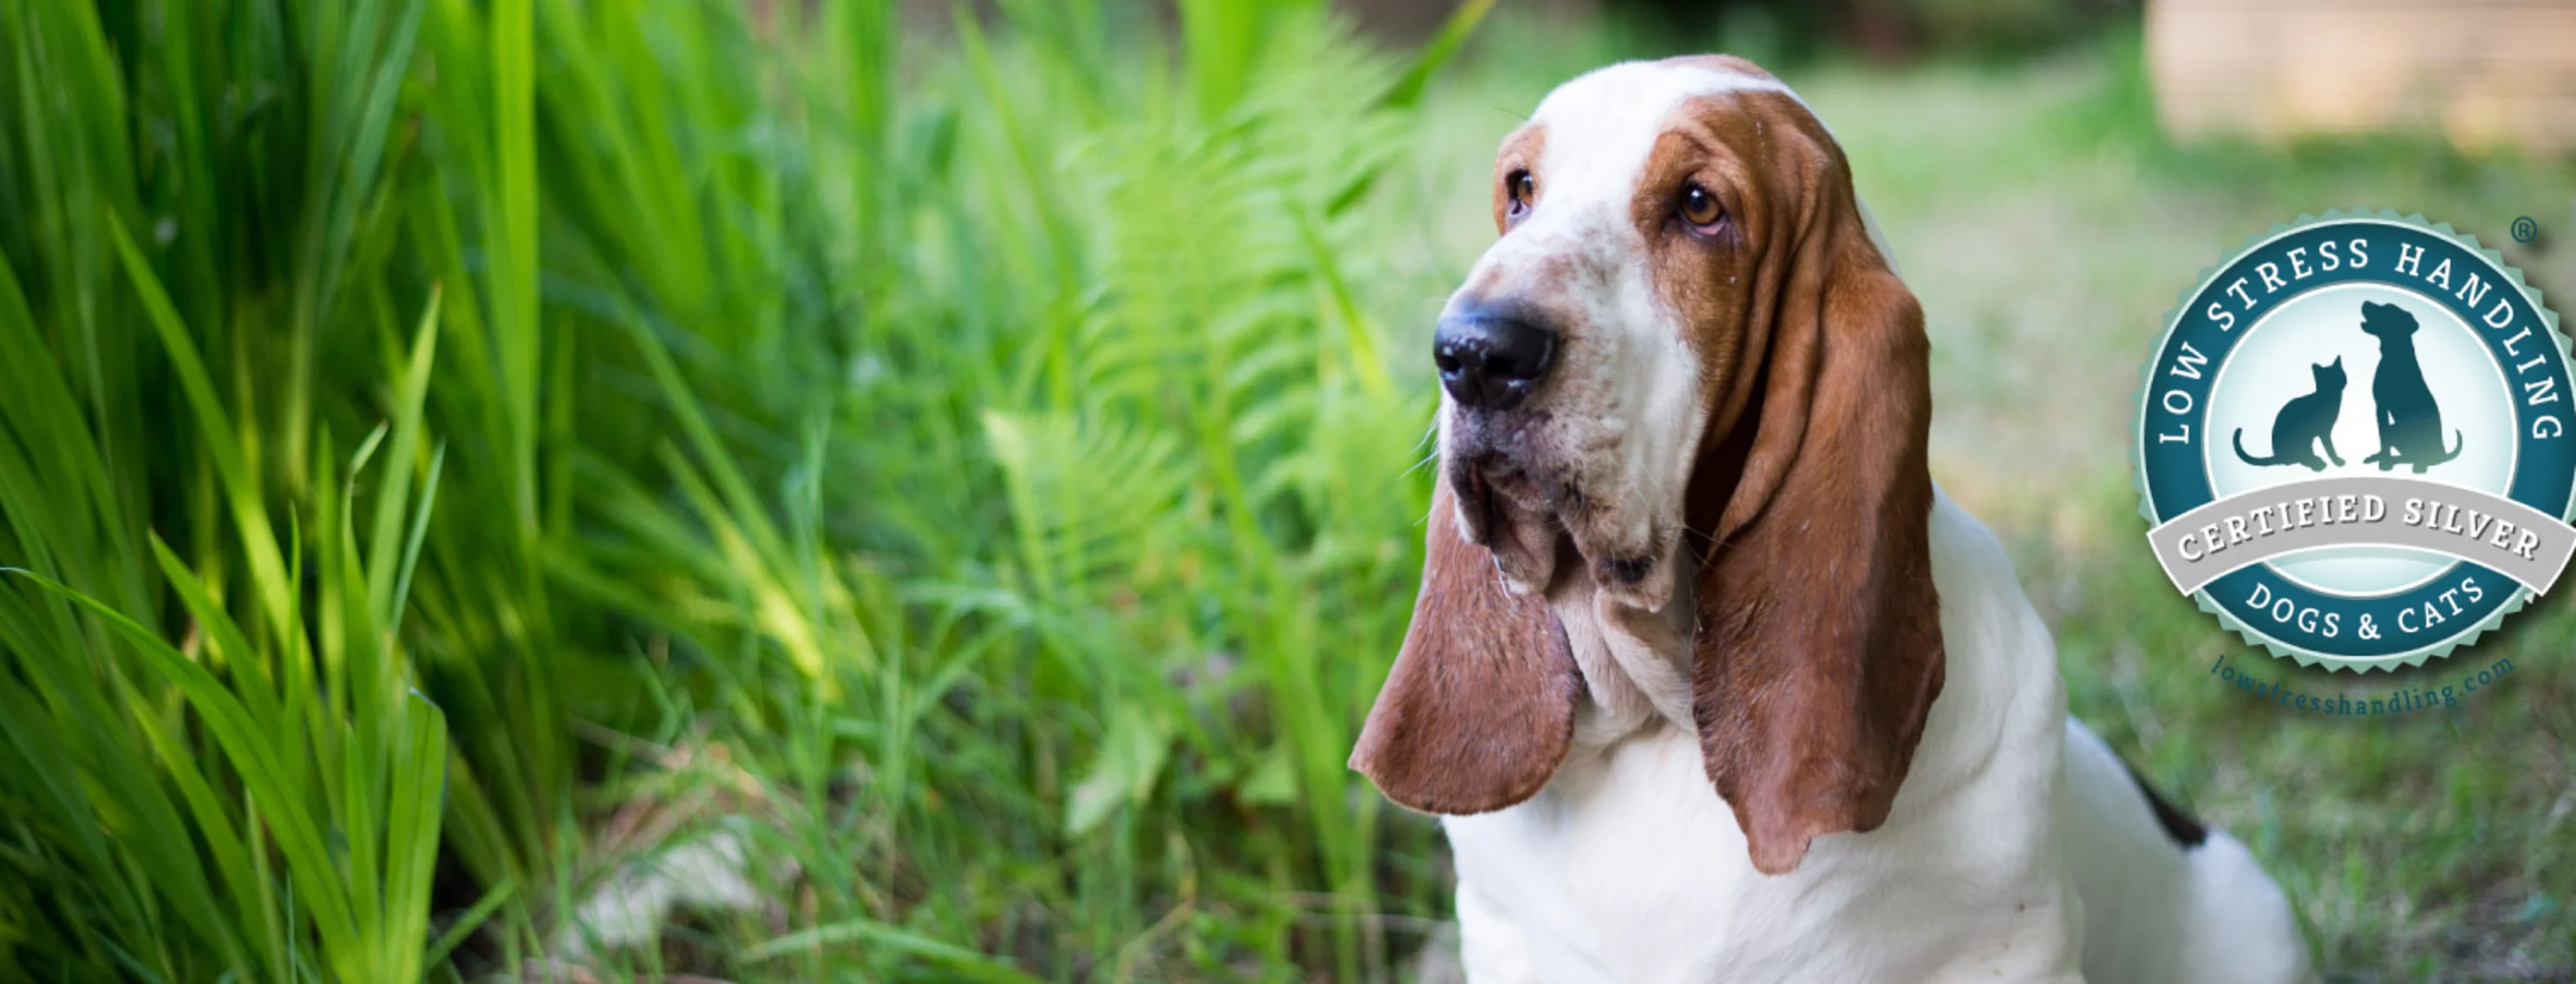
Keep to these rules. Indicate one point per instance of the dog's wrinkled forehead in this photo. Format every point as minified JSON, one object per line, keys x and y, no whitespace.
{"x":1601,"y":127}
{"x":1587,"y":149}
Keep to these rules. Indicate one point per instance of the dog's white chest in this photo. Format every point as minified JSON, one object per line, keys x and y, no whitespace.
{"x":1629,"y":854}
{"x":1629,"y":867}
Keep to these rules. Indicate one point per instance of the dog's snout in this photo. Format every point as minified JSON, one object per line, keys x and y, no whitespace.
{"x":1489,"y":360}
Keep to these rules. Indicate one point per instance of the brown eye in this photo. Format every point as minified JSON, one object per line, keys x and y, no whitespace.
{"x":1700,"y":209}
{"x":1523,"y":190}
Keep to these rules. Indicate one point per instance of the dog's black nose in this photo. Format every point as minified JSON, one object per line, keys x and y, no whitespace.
{"x":1489,"y":360}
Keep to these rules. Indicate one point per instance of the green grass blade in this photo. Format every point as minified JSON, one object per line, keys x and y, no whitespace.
{"x":965,"y":964}
{"x":245,"y":745}
{"x":386,"y":545}
{"x":219,"y":438}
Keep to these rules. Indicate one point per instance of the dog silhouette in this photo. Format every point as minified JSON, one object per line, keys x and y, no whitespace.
{"x":2304,"y":422}
{"x":2410,"y":423}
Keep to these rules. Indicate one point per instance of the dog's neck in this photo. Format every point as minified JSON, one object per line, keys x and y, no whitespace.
{"x":1636,"y":663}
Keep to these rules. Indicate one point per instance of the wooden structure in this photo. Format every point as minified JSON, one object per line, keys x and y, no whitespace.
{"x":2484,"y":74}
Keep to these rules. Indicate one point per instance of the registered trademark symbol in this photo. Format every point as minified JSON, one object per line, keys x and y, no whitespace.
{"x":2525,"y":230}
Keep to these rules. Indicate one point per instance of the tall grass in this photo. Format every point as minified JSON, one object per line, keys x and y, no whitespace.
{"x":229,"y":764}
{"x":451,"y":452}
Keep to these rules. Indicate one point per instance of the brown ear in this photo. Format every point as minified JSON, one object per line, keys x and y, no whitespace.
{"x":1820,"y":645}
{"x":1479,"y":708}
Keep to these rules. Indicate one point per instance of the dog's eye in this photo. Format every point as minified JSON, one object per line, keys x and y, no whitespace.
{"x":1700,"y":209}
{"x":1522,"y":187}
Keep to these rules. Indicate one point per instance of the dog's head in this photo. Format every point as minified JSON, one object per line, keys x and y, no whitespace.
{"x":2388,"y":322}
{"x":1684,"y":381}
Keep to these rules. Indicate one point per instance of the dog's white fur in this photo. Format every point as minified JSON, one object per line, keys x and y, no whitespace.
{"x":1624,"y":359}
{"x":2018,"y":848}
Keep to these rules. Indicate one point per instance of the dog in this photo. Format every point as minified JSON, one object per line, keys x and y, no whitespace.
{"x":2410,"y":423}
{"x":1708,"y":679}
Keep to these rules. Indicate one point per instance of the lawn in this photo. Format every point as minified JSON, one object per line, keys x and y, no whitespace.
{"x":459,"y":457}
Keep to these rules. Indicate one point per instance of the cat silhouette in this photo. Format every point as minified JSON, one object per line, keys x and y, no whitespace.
{"x":2410,"y":423}
{"x":2304,"y":422}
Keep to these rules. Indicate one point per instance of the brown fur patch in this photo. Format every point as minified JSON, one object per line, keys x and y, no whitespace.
{"x":1820,"y":647}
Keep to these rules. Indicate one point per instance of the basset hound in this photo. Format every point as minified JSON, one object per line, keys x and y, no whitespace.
{"x":1708,"y":679}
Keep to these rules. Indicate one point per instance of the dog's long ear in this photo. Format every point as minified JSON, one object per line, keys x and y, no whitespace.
{"x":1819,"y":651}
{"x":1479,"y":708}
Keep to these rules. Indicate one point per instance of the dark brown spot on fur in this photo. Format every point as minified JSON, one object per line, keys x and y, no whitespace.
{"x":1626,"y":570}
{"x":2186,"y":830}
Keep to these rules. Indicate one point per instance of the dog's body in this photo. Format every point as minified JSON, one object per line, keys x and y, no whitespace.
{"x":2410,"y":422}
{"x":1711,"y":682}
{"x":1993,"y":865}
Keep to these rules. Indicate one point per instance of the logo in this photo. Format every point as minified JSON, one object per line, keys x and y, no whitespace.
{"x":2354,"y":442}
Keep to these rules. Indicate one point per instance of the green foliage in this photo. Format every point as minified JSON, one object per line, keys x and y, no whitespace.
{"x":263,"y":798}
{"x":216,"y":762}
{"x":1055,"y":638}
{"x":456,"y":454}
{"x":954,"y":459}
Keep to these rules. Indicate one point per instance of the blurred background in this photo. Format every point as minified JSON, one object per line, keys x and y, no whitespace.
{"x":601,"y":490}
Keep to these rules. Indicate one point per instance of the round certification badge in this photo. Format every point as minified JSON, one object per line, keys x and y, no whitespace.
{"x":2353,"y":442}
